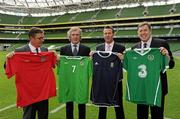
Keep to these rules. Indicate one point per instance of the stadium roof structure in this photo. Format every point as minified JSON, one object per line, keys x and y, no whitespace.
{"x":58,"y":7}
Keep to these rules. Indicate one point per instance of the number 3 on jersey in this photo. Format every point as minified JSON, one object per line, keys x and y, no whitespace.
{"x":143,"y":72}
{"x":73,"y":68}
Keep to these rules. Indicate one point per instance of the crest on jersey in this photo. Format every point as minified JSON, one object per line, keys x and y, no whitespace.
{"x":150,"y":57}
{"x":81,"y":63}
{"x":43,"y":58}
{"x":112,"y":64}
{"x":26,"y":60}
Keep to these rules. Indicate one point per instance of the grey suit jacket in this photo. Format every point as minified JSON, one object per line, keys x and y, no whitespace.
{"x":26,"y":48}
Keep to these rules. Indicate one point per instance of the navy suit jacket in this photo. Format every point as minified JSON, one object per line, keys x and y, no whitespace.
{"x":156,"y":43}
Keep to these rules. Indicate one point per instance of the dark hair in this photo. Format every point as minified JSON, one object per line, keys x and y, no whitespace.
{"x":145,"y":23}
{"x":34,"y":30}
{"x":109,"y":27}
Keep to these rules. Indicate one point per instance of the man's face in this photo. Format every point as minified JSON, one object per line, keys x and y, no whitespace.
{"x":75,"y":37}
{"x":144,"y":33}
{"x":108,"y":35}
{"x":37,"y":40}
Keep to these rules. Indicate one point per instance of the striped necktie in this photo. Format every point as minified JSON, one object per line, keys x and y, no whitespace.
{"x":75,"y":50}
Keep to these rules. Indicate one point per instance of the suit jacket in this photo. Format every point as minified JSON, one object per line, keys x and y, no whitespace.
{"x":26,"y":48}
{"x":116,"y":48}
{"x":67,"y":50}
{"x":156,"y":43}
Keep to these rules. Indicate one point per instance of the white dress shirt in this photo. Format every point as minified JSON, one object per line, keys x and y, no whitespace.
{"x":148,"y":43}
{"x":33,"y":49}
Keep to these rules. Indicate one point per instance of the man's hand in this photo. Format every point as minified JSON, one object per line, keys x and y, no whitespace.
{"x":91,"y":54}
{"x":164,"y":51}
{"x":9,"y":55}
{"x":120,"y":56}
{"x":57,"y":55}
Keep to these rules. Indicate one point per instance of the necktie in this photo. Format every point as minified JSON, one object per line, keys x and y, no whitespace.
{"x":75,"y":50}
{"x":145,"y":45}
{"x":108,"y":47}
{"x":37,"y":50}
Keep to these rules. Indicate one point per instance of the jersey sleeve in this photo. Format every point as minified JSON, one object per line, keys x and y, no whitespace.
{"x":125,"y":61}
{"x":165,"y":63}
{"x":10,"y":67}
{"x":54,"y":57}
{"x":90,"y":67}
{"x":58,"y":66}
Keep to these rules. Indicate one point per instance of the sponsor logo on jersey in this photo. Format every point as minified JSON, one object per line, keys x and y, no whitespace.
{"x":134,"y":58}
{"x":26,"y":60}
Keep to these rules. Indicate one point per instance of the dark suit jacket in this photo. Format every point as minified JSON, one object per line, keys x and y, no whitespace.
{"x":67,"y":50}
{"x":156,"y":43}
{"x":116,"y":48}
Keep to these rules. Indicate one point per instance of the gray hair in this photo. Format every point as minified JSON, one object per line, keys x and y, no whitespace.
{"x":75,"y":28}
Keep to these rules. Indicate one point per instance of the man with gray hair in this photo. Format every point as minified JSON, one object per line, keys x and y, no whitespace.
{"x":75,"y":48}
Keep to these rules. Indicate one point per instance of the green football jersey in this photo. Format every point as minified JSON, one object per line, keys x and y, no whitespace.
{"x":74,"y":73}
{"x":143,"y":75}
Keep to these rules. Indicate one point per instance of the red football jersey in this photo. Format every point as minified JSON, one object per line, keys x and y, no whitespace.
{"x":35,"y":80}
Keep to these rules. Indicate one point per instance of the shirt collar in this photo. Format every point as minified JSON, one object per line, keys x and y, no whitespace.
{"x":111,"y":44}
{"x":148,"y":43}
{"x":72,"y":45}
{"x":107,"y":45}
{"x":33,"y":49}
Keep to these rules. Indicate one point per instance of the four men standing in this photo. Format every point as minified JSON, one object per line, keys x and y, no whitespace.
{"x":75,"y":48}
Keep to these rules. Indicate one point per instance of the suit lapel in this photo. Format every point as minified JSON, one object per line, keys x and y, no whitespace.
{"x":153,"y":44}
{"x":103,"y":47}
{"x":70,"y":49}
{"x":27,"y":48}
{"x":114,"y":47}
{"x":80,"y":49}
{"x":139,"y":45}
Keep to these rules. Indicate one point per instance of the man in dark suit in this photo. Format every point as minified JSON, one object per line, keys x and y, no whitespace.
{"x":75,"y":48}
{"x":36,"y":39}
{"x":144,"y":33}
{"x":110,"y":45}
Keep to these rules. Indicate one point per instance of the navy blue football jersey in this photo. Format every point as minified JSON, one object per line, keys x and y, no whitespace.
{"x":106,"y":75}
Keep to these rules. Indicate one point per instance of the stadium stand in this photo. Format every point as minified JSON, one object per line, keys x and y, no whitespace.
{"x":164,"y":19}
